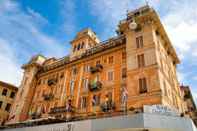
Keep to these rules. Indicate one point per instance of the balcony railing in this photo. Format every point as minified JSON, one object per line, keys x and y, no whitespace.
{"x":52,"y":82}
{"x":63,"y":109}
{"x":97,"y":68}
{"x":48,"y":97}
{"x":108,"y":106}
{"x":35,"y":115}
{"x":95,"y":86}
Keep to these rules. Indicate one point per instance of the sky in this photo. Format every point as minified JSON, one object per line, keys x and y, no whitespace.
{"x":29,"y":27}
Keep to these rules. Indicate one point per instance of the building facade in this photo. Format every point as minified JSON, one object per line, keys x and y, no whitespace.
{"x":135,"y":68}
{"x":189,"y":104}
{"x":7,"y":95}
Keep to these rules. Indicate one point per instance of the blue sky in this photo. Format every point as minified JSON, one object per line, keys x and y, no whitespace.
{"x":29,"y":27}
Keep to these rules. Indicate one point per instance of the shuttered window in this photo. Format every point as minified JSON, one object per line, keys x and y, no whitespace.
{"x":124,"y":73}
{"x":141,"y":61}
{"x":139,"y":42}
{"x":111,"y":60}
{"x":142,"y":85}
{"x":110,"y":76}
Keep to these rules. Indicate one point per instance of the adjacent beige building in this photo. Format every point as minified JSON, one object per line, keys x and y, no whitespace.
{"x":7,"y":95}
{"x":189,"y":103}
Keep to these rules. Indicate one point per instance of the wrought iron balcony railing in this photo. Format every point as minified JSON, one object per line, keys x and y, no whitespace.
{"x":95,"y":86}
{"x":35,"y":115}
{"x":108,"y":106}
{"x":48,"y":97}
{"x":97,"y":68}
{"x":63,"y":109}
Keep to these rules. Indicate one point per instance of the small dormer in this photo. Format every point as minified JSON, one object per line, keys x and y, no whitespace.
{"x":84,"y":40}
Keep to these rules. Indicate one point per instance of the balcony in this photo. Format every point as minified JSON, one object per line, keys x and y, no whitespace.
{"x":48,"y":97}
{"x":63,"y":109}
{"x":52,"y":82}
{"x":108,"y":106}
{"x":35,"y":115}
{"x":95,"y":86}
{"x":97,"y":68}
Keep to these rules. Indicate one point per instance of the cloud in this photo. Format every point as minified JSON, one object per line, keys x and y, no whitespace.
{"x":22,"y":37}
{"x":67,"y":11}
{"x":9,"y":68}
{"x":181,"y":24}
{"x":110,"y":12}
{"x":40,"y":20}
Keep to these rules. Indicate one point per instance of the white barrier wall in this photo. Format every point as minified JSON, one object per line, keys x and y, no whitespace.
{"x":131,"y":123}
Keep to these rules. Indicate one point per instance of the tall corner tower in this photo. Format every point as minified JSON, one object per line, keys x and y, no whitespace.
{"x":24,"y":96}
{"x":149,"y":53}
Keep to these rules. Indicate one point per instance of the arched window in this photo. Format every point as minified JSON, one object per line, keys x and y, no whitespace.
{"x":82,"y":45}
{"x":4,"y":93}
{"x":78,"y":47}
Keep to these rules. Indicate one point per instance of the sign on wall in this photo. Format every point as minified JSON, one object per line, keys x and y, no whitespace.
{"x":160,"y":110}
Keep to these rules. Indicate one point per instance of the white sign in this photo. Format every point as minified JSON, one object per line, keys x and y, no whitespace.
{"x":68,"y":127}
{"x":160,"y":109}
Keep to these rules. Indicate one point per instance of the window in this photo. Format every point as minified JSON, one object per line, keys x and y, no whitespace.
{"x":4,"y":93}
{"x":124,"y":55}
{"x":85,"y":84}
{"x":82,"y":45}
{"x":111,"y":59}
{"x":124,"y":73}
{"x":139,"y":42}
{"x":141,"y":61}
{"x":86,"y":68}
{"x":1,"y":103}
{"x":98,"y":62}
{"x":12,"y":95}
{"x":7,"y":108}
{"x":74,"y":71}
{"x":78,"y":47}
{"x":96,"y":100}
{"x":142,"y":85}
{"x":110,"y":76}
{"x":83,"y":102}
{"x":72,"y":83}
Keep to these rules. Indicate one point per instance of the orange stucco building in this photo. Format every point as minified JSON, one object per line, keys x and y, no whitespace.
{"x":135,"y":68}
